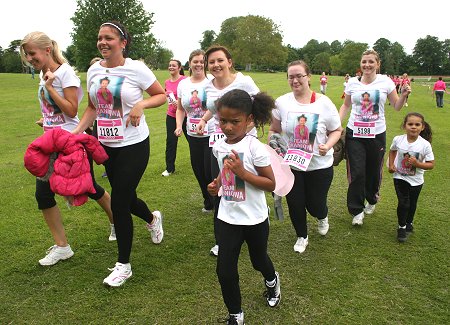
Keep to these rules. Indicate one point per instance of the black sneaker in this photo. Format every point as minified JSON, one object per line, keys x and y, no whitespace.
{"x":409,"y":227}
{"x":273,"y":294}
{"x":401,"y":234}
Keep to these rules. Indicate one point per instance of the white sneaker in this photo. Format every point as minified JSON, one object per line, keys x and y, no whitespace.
{"x":234,"y":319}
{"x":406,"y":104}
{"x":156,"y":228}
{"x":369,"y":208}
{"x":55,"y":254}
{"x":358,"y":219}
{"x":112,"y":235}
{"x":273,"y":294}
{"x":214,"y":251}
{"x":301,"y":244}
{"x":165,"y":173}
{"x":323,"y":226}
{"x":120,"y":273}
{"x":205,"y":210}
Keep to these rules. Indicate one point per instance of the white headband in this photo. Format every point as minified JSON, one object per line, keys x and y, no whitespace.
{"x":114,"y":25}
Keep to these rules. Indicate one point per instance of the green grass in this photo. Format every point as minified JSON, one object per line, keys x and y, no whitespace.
{"x":352,"y":276}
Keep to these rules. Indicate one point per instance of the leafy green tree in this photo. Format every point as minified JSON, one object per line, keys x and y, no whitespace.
{"x":11,"y":58}
{"x":321,"y":63}
{"x":398,"y":55}
{"x":351,"y":56}
{"x":292,"y":54}
{"x":159,"y":58}
{"x":336,"y":65}
{"x":2,"y":66}
{"x":336,"y":47}
{"x":90,"y":14}
{"x":209,"y":37}
{"x":383,"y":48}
{"x":69,"y":53}
{"x":429,"y":55}
{"x":253,"y":40}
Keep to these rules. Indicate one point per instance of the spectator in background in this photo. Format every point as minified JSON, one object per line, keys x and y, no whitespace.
{"x":323,"y":83}
{"x":439,"y":88}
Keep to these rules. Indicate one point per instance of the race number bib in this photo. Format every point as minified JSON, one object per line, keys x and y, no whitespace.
{"x":192,"y":126}
{"x":216,"y":136}
{"x":51,"y":127}
{"x":364,"y":130}
{"x":110,"y":130}
{"x":298,"y":158}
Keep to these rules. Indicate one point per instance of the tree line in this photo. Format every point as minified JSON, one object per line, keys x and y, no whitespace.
{"x":255,"y":41}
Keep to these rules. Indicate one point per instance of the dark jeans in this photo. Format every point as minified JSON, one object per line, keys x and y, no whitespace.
{"x":201,"y":165}
{"x":364,"y":169}
{"x":256,"y":237}
{"x":407,"y":196}
{"x":309,"y":193}
{"x":125,"y":168}
{"x":439,"y":98}
{"x":172,"y":142}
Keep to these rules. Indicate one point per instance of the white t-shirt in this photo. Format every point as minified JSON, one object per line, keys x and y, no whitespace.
{"x":241,"y":202}
{"x":193,"y":100}
{"x":420,"y":148}
{"x":242,"y":82}
{"x":305,"y":126}
{"x":53,"y":116}
{"x":123,"y":87}
{"x":368,"y":101}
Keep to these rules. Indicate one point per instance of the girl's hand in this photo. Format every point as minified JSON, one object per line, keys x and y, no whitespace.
{"x":178,"y":132}
{"x":213,"y":187}
{"x":201,"y":127}
{"x":48,"y":78}
{"x":135,"y":116}
{"x":40,"y":122}
{"x":234,"y":163}
{"x":392,"y":169}
{"x":413,"y":161}
{"x":406,"y":89}
{"x":323,"y":149}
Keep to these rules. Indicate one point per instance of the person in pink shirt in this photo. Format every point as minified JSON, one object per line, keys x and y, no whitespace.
{"x":176,"y":75}
{"x":439,"y":88}
{"x":405,"y":82}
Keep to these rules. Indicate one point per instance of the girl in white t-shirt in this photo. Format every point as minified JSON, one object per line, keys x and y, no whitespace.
{"x":410,"y":155}
{"x":245,"y":175}
{"x":59,"y":95}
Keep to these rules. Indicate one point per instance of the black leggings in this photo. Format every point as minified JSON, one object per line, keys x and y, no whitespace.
{"x":364,"y":169}
{"x":234,"y":236}
{"x":309,"y":193}
{"x":46,"y":198}
{"x":407,"y":196}
{"x":201,"y":165}
{"x":172,"y":141}
{"x":125,"y":167}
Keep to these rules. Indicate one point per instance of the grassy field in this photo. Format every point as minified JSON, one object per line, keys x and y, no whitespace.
{"x":352,"y":276}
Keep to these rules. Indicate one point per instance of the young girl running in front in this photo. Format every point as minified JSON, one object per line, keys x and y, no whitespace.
{"x":242,"y":214}
{"x":415,"y":147}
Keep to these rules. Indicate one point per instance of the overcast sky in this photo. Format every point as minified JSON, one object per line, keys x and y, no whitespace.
{"x":179,"y":24}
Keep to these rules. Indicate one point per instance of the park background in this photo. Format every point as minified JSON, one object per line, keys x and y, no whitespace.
{"x":351,"y":276}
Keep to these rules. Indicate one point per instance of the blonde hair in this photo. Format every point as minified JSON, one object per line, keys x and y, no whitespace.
{"x":42,"y":41}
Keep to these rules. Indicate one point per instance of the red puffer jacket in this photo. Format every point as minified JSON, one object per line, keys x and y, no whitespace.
{"x":71,"y":175}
